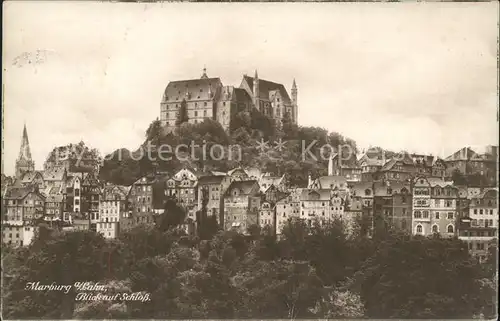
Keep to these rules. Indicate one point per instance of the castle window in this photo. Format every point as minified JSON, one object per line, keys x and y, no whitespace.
{"x":450,"y":228}
{"x":224,"y":104}
{"x":205,"y":103}
{"x":204,"y":113}
{"x":419,"y":229}
{"x":195,"y":113}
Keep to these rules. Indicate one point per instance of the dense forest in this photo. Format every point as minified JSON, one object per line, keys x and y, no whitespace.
{"x":311,"y":272}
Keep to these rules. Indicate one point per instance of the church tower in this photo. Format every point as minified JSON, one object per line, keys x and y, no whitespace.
{"x":256,"y":91}
{"x":294,"y":102}
{"x":24,"y":163}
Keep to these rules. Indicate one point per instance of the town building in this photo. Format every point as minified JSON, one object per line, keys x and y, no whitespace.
{"x":434,"y":207}
{"x":112,"y":207}
{"x":91,"y":191}
{"x":480,"y":227}
{"x":141,"y":205}
{"x":322,"y":205}
{"x":392,"y":206}
{"x":33,"y":178}
{"x":287,"y":208}
{"x":267,"y":215}
{"x":182,"y":187}
{"x":241,"y":205}
{"x":72,"y":197}
{"x":23,"y":204}
{"x":210,"y":187}
{"x":348,"y":167}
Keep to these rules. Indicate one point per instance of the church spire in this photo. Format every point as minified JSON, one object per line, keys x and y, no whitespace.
{"x":25,"y":152}
{"x":24,"y":162}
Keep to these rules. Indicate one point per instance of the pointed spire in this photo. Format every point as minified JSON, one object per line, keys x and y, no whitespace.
{"x":294,"y":85}
{"x":204,"y":76}
{"x":256,"y":75}
{"x":25,"y":152}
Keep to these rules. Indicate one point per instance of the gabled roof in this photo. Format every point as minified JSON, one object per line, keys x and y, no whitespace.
{"x":359,"y":188}
{"x":325,"y":182}
{"x":395,"y":187}
{"x":198,"y":89}
{"x":20,"y":193}
{"x":110,"y":191}
{"x":28,"y":177}
{"x":210,"y":179}
{"x":462,"y":154}
{"x":246,"y":187}
{"x":266,"y":86}
{"x":56,"y":173}
{"x":265,"y":182}
{"x":346,"y":162}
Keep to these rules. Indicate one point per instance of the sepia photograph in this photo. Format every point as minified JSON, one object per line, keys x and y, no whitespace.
{"x":311,"y":160}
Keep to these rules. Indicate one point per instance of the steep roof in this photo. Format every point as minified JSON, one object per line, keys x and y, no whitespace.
{"x":110,"y":191}
{"x":266,"y":86}
{"x":359,"y":188}
{"x":28,"y":177}
{"x":56,"y":173}
{"x":325,"y":182}
{"x":210,"y":179}
{"x":197,"y":90}
{"x":19,"y":193}
{"x":246,"y":187}
{"x":464,"y":153}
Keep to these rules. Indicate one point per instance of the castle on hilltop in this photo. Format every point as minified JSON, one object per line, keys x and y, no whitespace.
{"x":209,"y":98}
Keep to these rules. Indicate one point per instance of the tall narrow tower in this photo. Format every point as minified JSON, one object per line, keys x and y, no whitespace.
{"x":204,"y":75}
{"x":294,"y":102}
{"x":24,"y":163}
{"x":256,"y":90}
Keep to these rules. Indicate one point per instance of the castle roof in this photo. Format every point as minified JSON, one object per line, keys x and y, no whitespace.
{"x":197,"y":89}
{"x":265,"y":87}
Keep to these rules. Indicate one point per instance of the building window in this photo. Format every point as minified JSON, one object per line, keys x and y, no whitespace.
{"x":205,"y":103}
{"x":435,"y":229}
{"x":437,"y":215}
{"x":450,"y":215}
{"x":419,"y":229}
{"x":450,"y":229}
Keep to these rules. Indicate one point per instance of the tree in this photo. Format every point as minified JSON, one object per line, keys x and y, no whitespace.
{"x":207,"y":225}
{"x":172,"y":216}
{"x":420,"y":278}
{"x":183,"y":114}
{"x":61,"y":258}
{"x":154,"y":132}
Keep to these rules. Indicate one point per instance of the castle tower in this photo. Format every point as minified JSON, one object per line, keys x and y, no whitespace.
{"x":294,"y":102}
{"x":256,"y":90}
{"x":24,"y":163}
{"x":204,"y":76}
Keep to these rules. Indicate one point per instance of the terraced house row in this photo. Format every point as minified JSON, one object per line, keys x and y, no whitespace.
{"x":414,"y":195}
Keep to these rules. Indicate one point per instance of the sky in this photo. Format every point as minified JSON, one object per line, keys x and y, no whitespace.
{"x":420,"y":77}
